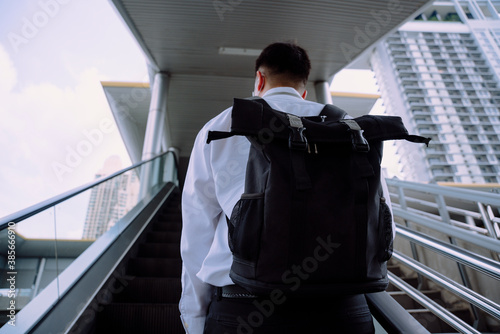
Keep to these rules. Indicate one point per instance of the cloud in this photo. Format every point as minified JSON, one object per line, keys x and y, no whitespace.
{"x":8,"y":79}
{"x":41,"y":124}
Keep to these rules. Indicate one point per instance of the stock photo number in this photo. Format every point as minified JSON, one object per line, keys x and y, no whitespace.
{"x":11,"y":273}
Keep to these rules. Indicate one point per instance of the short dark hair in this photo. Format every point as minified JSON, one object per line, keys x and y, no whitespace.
{"x":286,"y":59}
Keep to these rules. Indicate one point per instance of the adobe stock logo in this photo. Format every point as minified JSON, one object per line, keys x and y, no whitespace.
{"x":221,"y":7}
{"x":31,"y":26}
{"x":371,"y":30}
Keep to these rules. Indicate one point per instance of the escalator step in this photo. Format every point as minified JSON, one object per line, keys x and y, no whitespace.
{"x":163,"y":236}
{"x":139,"y":318}
{"x":150,"y":290}
{"x":405,"y":300}
{"x":171,"y":215}
{"x":167,"y":226}
{"x":413,"y":281}
{"x":160,"y":250}
{"x":430,"y":321}
{"x":173,"y":206}
{"x":395,"y":269}
{"x":144,"y":267}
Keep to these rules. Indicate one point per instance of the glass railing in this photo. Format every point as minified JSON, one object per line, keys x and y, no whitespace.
{"x":37,"y":244}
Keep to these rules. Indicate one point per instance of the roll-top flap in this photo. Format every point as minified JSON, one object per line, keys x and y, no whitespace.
{"x":256,"y":118}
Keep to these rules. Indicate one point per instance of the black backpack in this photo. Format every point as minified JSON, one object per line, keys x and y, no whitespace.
{"x":312,"y":219}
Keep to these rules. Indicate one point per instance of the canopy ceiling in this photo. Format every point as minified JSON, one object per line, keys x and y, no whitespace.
{"x":194,"y":42}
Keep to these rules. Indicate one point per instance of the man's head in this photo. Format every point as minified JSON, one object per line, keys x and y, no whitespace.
{"x":282,"y":65}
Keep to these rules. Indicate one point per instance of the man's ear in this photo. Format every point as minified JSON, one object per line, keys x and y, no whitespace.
{"x":261,"y":81}
{"x":304,"y":94}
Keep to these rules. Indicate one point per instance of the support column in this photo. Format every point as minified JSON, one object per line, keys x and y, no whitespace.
{"x":155,"y":136}
{"x":322,"y":89}
{"x":157,"y":118}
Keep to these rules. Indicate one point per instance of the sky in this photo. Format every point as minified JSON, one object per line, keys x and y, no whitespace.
{"x":53,"y":56}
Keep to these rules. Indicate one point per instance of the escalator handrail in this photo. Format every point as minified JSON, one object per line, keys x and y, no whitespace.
{"x":391,"y":315}
{"x":39,"y":207}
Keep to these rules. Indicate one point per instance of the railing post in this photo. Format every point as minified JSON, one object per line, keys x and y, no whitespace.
{"x":489,"y":226}
{"x":414,"y":252}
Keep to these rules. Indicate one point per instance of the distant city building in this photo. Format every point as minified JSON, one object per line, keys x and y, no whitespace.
{"x":441,"y":74}
{"x":110,"y":200}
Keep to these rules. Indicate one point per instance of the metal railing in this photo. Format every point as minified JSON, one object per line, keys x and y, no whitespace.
{"x":445,"y":221}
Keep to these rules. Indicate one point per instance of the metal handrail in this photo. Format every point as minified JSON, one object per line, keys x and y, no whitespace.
{"x":469,"y":295}
{"x":39,"y":207}
{"x":453,"y":222}
{"x":432,"y":306}
{"x":458,"y":193}
{"x":452,"y":231}
{"x":473,"y":260}
{"x":415,"y":207}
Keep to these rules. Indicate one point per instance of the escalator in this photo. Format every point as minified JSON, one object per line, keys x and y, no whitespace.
{"x":149,"y":301}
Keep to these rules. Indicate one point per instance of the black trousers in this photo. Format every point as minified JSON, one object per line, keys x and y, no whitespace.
{"x":345,"y":314}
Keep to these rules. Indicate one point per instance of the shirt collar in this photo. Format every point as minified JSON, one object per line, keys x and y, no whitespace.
{"x":282,"y":91}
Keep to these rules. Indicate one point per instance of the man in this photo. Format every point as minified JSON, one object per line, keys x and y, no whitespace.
{"x":214,"y":183}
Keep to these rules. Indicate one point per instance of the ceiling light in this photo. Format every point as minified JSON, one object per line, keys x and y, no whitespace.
{"x":239,"y":51}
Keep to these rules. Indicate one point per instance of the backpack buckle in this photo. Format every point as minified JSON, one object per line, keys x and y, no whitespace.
{"x":359,"y":143}
{"x":297,"y":139}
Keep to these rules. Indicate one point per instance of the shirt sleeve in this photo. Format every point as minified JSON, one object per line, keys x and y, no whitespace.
{"x":200,"y":213}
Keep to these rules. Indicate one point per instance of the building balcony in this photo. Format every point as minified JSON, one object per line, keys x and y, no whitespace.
{"x":416,"y":95}
{"x":400,"y":48}
{"x":428,"y":132}
{"x":402,"y":63}
{"x":442,"y":173}
{"x":439,"y":163}
{"x":410,"y":86}
{"x":420,"y":112}
{"x":394,"y":41}
{"x":396,"y":57}
{"x":434,"y":153}
{"x":423,"y":122}
{"x":417,"y":104}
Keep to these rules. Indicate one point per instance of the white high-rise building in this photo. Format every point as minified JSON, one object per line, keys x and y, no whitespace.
{"x":110,"y":200}
{"x":441,"y":74}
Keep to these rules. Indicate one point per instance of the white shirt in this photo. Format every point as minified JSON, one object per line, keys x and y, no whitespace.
{"x":214,"y":183}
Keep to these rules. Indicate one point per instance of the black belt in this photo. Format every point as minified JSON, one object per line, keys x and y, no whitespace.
{"x":233,"y":291}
